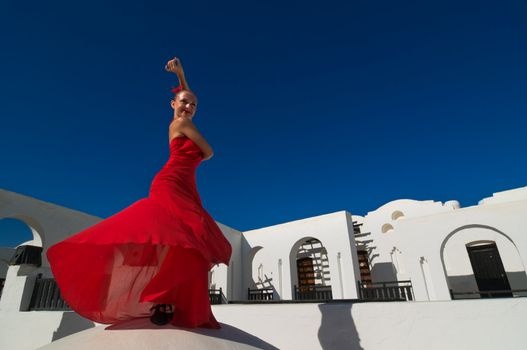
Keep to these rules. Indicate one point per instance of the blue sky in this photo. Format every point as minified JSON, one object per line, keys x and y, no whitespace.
{"x":311,"y":107}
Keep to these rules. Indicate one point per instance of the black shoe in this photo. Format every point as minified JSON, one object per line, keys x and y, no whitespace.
{"x":169,"y":312}
{"x":160,"y":317}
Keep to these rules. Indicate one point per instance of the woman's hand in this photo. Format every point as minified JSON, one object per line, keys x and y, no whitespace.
{"x":174,"y":66}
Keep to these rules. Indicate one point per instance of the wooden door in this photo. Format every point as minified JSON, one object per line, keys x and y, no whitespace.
{"x":306,"y":274}
{"x":364,"y":266}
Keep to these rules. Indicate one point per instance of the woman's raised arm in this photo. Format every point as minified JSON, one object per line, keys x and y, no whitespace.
{"x":175,"y":66}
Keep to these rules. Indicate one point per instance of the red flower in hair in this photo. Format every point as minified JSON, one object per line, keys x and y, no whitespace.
{"x":177,"y":89}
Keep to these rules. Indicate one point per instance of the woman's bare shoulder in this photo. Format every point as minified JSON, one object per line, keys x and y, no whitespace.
{"x":180,"y":122}
{"x":176,"y":127}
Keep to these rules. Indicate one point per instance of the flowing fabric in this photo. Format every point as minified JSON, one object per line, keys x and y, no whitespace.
{"x":156,"y":251}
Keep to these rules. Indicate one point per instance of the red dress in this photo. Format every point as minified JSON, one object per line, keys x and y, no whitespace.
{"x":157,"y":251}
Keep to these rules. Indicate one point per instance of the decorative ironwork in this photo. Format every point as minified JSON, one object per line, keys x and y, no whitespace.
{"x":215,"y":296}
{"x":318,"y":293}
{"x":260,"y":294}
{"x":393,"y":291}
{"x":46,"y":296}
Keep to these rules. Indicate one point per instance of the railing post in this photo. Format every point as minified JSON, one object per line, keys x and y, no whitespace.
{"x":359,"y":289}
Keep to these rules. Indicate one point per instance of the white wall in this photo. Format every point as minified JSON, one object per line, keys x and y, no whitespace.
{"x":49,"y":224}
{"x":33,"y":329}
{"x":227,"y":277}
{"x":429,"y":242}
{"x":505,"y":196}
{"x":279,"y":245}
{"x":383,"y":223}
{"x":464,"y":324}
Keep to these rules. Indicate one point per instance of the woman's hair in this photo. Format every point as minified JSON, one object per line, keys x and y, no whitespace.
{"x":180,"y":89}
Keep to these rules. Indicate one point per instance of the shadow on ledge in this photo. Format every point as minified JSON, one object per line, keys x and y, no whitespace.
{"x":337,"y":329}
{"x":71,"y":323}
{"x":226,"y":332}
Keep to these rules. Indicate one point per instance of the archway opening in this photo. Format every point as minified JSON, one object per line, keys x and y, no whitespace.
{"x":24,"y":243}
{"x":386,"y":228}
{"x":19,"y":242}
{"x":476,"y":257}
{"x":396,"y":215}
{"x":312,"y":280}
{"x":15,"y":232}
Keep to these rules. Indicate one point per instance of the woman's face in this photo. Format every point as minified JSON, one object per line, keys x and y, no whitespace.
{"x":184,"y":104}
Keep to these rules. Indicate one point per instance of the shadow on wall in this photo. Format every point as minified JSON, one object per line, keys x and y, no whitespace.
{"x":383,"y":272}
{"x":467,"y":283}
{"x":71,"y":323}
{"x":226,"y":332}
{"x":337,"y":329}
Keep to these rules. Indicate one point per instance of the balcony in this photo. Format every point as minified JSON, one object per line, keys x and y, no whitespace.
{"x":313,"y":293}
{"x":386,"y":291}
{"x":265,"y":294}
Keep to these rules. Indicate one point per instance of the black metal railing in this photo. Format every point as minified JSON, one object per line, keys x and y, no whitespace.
{"x":46,"y":296}
{"x":215,"y":296}
{"x":313,"y":293}
{"x":507,"y":293}
{"x":393,"y":290}
{"x":260,"y":294}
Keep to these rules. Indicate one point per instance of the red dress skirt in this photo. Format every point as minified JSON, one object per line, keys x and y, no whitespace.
{"x":156,"y":251}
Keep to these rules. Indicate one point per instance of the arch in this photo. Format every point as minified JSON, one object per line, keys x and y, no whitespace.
{"x":253,"y":252}
{"x":386,"y":228}
{"x":396,"y":215}
{"x":33,"y":226}
{"x":456,"y":262}
{"x":310,"y":248}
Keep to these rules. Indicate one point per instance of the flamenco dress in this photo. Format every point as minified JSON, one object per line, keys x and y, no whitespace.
{"x":156,"y":251}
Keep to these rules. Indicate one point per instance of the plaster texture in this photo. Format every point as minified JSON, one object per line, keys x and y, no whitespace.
{"x":427,"y":244}
{"x":274,"y":250}
{"x":464,"y":324}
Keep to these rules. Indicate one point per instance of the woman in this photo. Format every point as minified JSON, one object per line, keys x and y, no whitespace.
{"x":153,"y":257}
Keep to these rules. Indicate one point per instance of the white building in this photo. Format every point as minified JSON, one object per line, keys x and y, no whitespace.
{"x":442,"y":251}
{"x":442,"y":247}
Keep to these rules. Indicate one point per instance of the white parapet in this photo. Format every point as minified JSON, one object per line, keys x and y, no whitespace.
{"x":465,"y":324}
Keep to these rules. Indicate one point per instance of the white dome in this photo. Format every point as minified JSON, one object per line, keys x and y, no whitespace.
{"x":452,"y":204}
